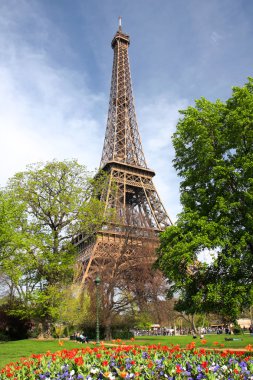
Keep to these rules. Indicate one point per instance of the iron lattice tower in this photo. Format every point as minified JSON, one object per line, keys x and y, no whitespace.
{"x":131,"y":192}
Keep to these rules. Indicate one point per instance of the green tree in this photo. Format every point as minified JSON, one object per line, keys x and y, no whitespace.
{"x":214,"y":158}
{"x":12,"y":216}
{"x":72,"y":306}
{"x":143,"y":321}
{"x":56,"y":201}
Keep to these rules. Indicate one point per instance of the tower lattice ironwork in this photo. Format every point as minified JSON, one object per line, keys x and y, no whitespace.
{"x":131,"y":191}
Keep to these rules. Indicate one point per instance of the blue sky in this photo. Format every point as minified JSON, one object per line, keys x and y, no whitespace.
{"x":55,"y":73}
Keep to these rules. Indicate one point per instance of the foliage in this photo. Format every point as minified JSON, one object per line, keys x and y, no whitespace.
{"x":45,"y":206}
{"x":237,"y":330}
{"x":143,"y":321}
{"x":214,"y":158}
{"x":153,"y":362}
{"x":122,"y":334}
{"x":73,"y":307}
{"x":119,"y":327}
{"x":12,"y":216}
{"x":11,"y":327}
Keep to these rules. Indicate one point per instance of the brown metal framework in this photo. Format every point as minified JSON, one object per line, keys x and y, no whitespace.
{"x":130,"y":192}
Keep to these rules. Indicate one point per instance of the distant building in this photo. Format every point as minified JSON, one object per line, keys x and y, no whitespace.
{"x":244,"y":322}
{"x":155,"y":327}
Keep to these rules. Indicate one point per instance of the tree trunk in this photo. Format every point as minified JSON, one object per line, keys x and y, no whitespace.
{"x":108,"y":330}
{"x":45,"y":330}
{"x":193,"y":325}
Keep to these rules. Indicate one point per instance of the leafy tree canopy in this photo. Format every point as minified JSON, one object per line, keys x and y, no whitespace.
{"x":41,"y":209}
{"x":214,"y":158}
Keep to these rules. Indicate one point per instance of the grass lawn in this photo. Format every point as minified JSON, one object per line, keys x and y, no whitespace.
{"x":240,"y":342}
{"x":12,"y":351}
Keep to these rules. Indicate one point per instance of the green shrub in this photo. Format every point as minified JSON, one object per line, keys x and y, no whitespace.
{"x":237,"y":330}
{"x":122,"y":334}
{"x":4,"y":337}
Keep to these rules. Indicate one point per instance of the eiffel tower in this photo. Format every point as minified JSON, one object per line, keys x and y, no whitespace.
{"x":130,"y":192}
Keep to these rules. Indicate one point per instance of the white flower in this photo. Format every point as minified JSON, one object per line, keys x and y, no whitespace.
{"x":72,"y":372}
{"x":94,"y":370}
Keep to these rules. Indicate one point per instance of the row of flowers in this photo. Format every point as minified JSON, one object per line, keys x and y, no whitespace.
{"x":133,"y":362}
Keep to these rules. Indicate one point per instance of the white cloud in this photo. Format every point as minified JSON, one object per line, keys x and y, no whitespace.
{"x":46,"y":111}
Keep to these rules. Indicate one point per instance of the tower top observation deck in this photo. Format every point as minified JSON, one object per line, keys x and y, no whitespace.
{"x":120,"y":36}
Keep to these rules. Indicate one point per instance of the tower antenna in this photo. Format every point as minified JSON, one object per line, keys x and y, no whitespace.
{"x":120,"y":24}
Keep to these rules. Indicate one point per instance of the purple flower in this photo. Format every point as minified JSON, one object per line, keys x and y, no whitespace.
{"x":144,"y":355}
{"x":188,"y":366}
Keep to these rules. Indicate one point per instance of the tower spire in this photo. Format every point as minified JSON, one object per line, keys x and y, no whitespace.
{"x":120,"y":22}
{"x":122,"y":140}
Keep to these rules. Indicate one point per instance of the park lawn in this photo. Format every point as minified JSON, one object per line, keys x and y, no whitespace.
{"x":13,"y":351}
{"x":241,"y":341}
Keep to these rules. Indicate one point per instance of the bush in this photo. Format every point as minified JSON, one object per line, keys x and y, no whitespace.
{"x":34,"y":331}
{"x":118,"y":332}
{"x":237,"y":330}
{"x":12,"y":327}
{"x":122,"y":334}
{"x":91,"y":333}
{"x":3,"y":337}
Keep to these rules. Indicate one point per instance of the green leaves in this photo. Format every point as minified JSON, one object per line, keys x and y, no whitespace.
{"x":214,"y":158}
{"x":41,"y":210}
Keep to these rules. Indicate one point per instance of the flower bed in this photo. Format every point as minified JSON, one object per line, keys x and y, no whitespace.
{"x":133,"y":362}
